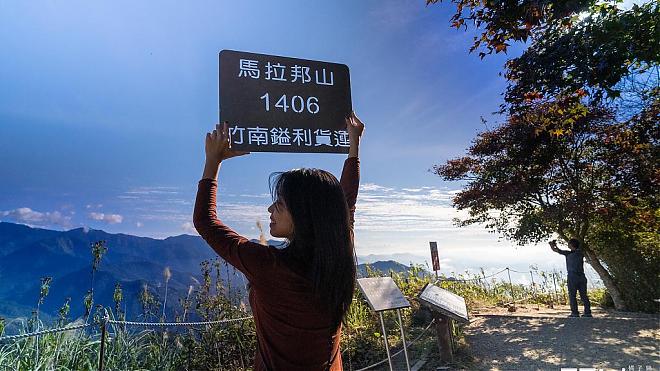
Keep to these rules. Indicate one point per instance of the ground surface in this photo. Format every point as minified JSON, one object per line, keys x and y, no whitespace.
{"x":545,"y":339}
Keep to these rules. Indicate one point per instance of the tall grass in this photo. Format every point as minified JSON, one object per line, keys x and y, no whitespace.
{"x":233,"y":345}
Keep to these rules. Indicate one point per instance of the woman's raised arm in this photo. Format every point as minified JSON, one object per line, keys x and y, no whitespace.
{"x":350,"y":175}
{"x":218,"y":149}
{"x":253,"y":259}
{"x":355,"y":128}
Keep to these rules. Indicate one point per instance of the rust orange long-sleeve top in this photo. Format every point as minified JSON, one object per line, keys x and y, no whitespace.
{"x":294,"y":331}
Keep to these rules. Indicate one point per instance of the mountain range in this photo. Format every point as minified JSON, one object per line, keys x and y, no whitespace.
{"x":27,"y":254}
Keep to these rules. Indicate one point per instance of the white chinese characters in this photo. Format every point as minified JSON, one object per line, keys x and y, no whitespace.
{"x":275,"y":72}
{"x":250,"y":68}
{"x":287,"y":137}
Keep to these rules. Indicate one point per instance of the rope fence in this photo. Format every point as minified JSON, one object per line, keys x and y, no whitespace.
{"x":203,"y":323}
{"x":549,"y":284}
{"x":483,"y":278}
{"x":170,"y":324}
{"x":477,"y":279}
{"x":115,"y":322}
{"x":105,"y":321}
{"x":513,"y":270}
{"x":401,"y":350}
{"x":43,"y":332}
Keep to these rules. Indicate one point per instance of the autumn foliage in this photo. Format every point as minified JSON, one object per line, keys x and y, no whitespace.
{"x":576,"y":153}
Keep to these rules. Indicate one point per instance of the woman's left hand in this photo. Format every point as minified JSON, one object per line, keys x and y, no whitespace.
{"x":355,"y":128}
{"x":218,"y":144}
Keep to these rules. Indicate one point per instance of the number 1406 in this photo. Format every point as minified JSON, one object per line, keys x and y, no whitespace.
{"x":296,"y":103}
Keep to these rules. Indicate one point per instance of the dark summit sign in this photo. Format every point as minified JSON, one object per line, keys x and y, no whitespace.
{"x":280,"y":104}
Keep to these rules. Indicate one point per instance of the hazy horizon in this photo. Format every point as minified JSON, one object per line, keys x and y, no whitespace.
{"x":450,"y":264}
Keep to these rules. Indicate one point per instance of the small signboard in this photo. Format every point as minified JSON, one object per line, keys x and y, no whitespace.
{"x":281,"y":104}
{"x":382,"y":293}
{"x":434,"y":256}
{"x":445,"y":302}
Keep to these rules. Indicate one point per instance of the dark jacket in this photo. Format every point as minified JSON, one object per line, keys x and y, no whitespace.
{"x":574,"y":261}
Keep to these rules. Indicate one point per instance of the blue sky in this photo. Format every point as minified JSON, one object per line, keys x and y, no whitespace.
{"x":104,"y":107}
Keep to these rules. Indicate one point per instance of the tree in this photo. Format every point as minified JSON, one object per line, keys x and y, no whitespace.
{"x":506,"y":21}
{"x":531,"y":177}
{"x":577,"y":151}
{"x":575,"y":44}
{"x":625,"y":231}
{"x":562,"y":167}
{"x":597,"y":53}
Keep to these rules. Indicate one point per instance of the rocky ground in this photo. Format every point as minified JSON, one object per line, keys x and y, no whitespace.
{"x":538,"y":338}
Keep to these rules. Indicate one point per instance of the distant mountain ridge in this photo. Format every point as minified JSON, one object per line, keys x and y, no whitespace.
{"x":383,"y":267}
{"x":27,"y":254}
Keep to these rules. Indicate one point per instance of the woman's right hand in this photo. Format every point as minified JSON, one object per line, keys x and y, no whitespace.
{"x":218,"y":145}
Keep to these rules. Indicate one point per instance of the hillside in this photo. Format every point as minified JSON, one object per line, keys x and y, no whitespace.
{"x":28,"y":254}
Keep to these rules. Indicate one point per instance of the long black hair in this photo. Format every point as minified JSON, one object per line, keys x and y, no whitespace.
{"x":321,"y":247}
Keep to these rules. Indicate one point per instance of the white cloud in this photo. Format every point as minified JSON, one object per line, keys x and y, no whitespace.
{"x":404,"y":210}
{"x":391,"y":223}
{"x":107,"y":218}
{"x":414,"y":189}
{"x":125,"y":197}
{"x":398,"y":223}
{"x":234,"y":214}
{"x":262,"y":195}
{"x":139,"y":224}
{"x":153,"y":191}
{"x":188,"y":228}
{"x":373,"y":187}
{"x":31,"y":217}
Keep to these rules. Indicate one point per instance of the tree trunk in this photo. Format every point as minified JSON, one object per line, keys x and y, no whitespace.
{"x":605,"y":276}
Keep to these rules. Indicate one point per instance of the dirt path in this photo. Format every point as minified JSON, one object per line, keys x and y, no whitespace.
{"x":546,"y":339}
{"x":535,"y":338}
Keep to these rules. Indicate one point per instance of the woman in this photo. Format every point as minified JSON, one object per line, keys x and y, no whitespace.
{"x":298,"y":294}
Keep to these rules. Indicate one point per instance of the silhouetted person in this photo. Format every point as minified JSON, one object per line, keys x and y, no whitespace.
{"x":577,"y":281}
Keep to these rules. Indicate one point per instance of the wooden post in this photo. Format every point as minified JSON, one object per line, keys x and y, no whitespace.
{"x":444,"y":337}
{"x":486,"y":285}
{"x":104,"y":330}
{"x":554,"y":281}
{"x":513,"y":298}
{"x":534,"y":288}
